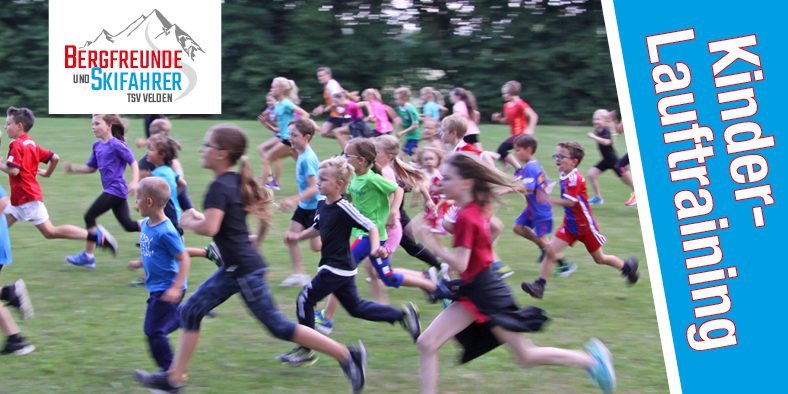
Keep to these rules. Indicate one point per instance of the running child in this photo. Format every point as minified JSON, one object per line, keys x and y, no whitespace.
{"x":579,"y":223}
{"x":432,"y":104}
{"x":379,"y":112}
{"x":286,"y":93}
{"x":27,"y":200}
{"x":411,"y":127}
{"x":464,"y":105}
{"x":166,"y":265}
{"x":520,"y":117}
{"x":604,"y":125}
{"x":110,"y":156}
{"x":14,"y":295}
{"x":536,"y":221}
{"x":357,"y":127}
{"x":429,"y":160}
{"x":156,"y":126}
{"x":268,"y":119}
{"x":336,"y":272}
{"x":228,"y":200}
{"x":485,"y":314}
{"x":452,"y":131}
{"x":429,"y":133}
{"x":305,"y":202}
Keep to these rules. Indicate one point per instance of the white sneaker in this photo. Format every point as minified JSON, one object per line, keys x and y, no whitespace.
{"x":296,"y":280}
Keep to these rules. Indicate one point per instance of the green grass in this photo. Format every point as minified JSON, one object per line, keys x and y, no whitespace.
{"x":88,"y":325}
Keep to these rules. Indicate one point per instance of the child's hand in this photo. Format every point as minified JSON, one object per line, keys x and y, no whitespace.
{"x":173,"y":295}
{"x":135,"y":265}
{"x":261,"y":119}
{"x":67,"y":168}
{"x":430,"y":206}
{"x":42,"y":172}
{"x":496,"y":117}
{"x":318,"y":110}
{"x":381,"y":253}
{"x":288,"y":203}
{"x":140,"y":142}
{"x":291,"y":236}
{"x":133,"y":189}
{"x":591,"y":135}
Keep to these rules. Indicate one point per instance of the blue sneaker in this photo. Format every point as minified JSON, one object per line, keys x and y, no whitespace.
{"x":602,"y":371}
{"x":82,"y":260}
{"x":596,"y":200}
{"x":322,"y":324}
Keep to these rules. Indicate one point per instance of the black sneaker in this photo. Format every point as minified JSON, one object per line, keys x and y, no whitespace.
{"x":299,"y":356}
{"x":106,"y":240}
{"x":356,"y":369}
{"x":156,"y":381}
{"x":535,"y":289}
{"x":212,"y":253}
{"x":410,"y":320}
{"x":20,"y":347}
{"x":20,"y":299}
{"x":632,"y":274}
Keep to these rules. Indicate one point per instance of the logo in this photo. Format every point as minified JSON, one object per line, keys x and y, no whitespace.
{"x":136,"y":57}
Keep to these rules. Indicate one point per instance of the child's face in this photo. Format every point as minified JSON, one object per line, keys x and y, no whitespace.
{"x":506,"y":94}
{"x":299,"y":141}
{"x":358,"y":162}
{"x":14,"y":130}
{"x":426,"y":97}
{"x":401,"y":100}
{"x":144,"y":205}
{"x":270,"y":100}
{"x":452,"y":185}
{"x":276,"y":89}
{"x":209,"y":152}
{"x":153,"y":156}
{"x":523,"y":154}
{"x":599,"y":120}
{"x":429,"y":160}
{"x":563,"y":160}
{"x":429,"y":129}
{"x":381,"y":157}
{"x":328,"y":184}
{"x":100,"y":127}
{"x":447,"y":137}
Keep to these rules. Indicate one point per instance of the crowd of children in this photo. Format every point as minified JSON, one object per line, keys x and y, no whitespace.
{"x":350,"y":208}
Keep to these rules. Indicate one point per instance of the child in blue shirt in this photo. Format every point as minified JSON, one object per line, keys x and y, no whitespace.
{"x":166,"y":265}
{"x":536,"y":221}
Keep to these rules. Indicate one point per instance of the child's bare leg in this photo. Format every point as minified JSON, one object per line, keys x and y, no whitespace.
{"x":607,"y":259}
{"x":551,"y":251}
{"x":529,"y":355}
{"x":445,"y":326}
{"x":66,"y":231}
{"x":593,"y":176}
{"x":378,"y":288}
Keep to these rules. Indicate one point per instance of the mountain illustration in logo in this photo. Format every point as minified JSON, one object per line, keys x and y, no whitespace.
{"x":152,"y":30}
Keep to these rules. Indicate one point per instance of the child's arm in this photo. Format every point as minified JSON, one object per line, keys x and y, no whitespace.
{"x":599,"y":140}
{"x":207,"y":224}
{"x":310,"y":191}
{"x":305,"y":234}
{"x":177,"y":167}
{"x":374,"y":244}
{"x":413,"y":125}
{"x":135,"y":177}
{"x":181,"y":184}
{"x":394,"y":203}
{"x":175,"y":292}
{"x":140,"y":142}
{"x":51,"y":167}
{"x":533,"y":118}
{"x":3,"y":203}
{"x":393,"y":115}
{"x":300,"y":111}
{"x":69,"y":168}
{"x":457,"y":260}
{"x":425,"y":193}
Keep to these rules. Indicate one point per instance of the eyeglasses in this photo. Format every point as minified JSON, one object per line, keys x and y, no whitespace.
{"x":348,"y":155}
{"x":207,"y":145}
{"x":560,"y":157}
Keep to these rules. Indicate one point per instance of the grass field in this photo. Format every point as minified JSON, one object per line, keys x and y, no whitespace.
{"x":88,"y":325}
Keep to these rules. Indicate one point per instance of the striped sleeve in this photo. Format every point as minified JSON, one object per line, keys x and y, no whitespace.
{"x":360,"y":220}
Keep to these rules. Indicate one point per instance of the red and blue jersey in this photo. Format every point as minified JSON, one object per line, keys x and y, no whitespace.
{"x":578,"y":218}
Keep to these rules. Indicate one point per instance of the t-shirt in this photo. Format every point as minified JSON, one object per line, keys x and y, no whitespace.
{"x":535,"y":180}
{"x":462,"y":109}
{"x":238,"y":254}
{"x":335,"y":222}
{"x":25,"y":154}
{"x":370,"y":194}
{"x":607,"y":151}
{"x":5,"y":240}
{"x":379,"y":111}
{"x":283,"y":109}
{"x":168,"y":174}
{"x":409,"y":115}
{"x":577,"y":217}
{"x":306,"y":166}
{"x":159,"y":244}
{"x":354,"y":111}
{"x":432,"y":109}
{"x":111,"y":159}
{"x":331,"y":88}
{"x":514,"y":111}
{"x":472,"y":231}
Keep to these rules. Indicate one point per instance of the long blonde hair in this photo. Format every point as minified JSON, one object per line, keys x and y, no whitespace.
{"x":290,"y":90}
{"x":410,"y":176}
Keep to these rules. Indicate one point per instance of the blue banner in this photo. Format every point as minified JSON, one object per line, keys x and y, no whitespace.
{"x":702,"y":85}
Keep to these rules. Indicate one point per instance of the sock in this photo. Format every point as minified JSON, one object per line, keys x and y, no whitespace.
{"x":88,"y":254}
{"x":93,"y":236}
{"x":15,"y":338}
{"x":5,"y":293}
{"x":541,"y":281}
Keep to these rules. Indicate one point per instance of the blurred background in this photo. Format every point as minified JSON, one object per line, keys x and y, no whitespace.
{"x":557,"y":49}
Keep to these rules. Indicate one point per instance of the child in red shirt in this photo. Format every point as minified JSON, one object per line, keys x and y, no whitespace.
{"x":520,"y":117}
{"x":27,"y":200}
{"x":485,"y":315}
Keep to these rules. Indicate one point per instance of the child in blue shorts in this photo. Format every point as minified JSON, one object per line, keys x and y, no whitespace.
{"x":536,"y":221}
{"x":166,"y":265}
